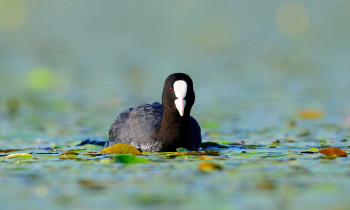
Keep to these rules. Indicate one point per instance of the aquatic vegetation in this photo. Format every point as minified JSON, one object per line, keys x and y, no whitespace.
{"x":121,"y":148}
{"x":68,"y":173}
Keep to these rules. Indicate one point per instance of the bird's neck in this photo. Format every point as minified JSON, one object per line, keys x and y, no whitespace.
{"x":174,"y":130}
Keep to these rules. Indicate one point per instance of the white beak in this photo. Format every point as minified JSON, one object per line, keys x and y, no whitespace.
{"x":180,"y":89}
{"x":180,"y":104}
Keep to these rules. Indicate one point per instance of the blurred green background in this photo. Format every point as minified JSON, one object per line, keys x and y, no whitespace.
{"x":69,"y":67}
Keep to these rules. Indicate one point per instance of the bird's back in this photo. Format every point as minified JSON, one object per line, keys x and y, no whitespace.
{"x":136,"y":125}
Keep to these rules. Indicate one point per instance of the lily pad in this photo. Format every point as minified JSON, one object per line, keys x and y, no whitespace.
{"x":333,"y":152}
{"x":121,"y":148}
{"x":129,"y":159}
{"x":209,"y":166}
{"x":20,"y":155}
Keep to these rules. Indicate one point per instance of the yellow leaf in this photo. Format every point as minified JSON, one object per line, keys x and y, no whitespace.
{"x":209,"y":166}
{"x":333,"y":152}
{"x":310,"y":114}
{"x":312,"y":150}
{"x":204,"y":157}
{"x":19,"y":155}
{"x":121,"y":148}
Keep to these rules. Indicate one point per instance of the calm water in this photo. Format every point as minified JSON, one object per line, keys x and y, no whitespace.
{"x":68,"y":68}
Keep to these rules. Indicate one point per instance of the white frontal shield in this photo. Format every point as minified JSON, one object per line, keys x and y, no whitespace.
{"x":180,"y":89}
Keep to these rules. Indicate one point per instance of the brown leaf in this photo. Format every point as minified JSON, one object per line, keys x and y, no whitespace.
{"x":266,"y":185}
{"x":92,"y":184}
{"x":209,"y":166}
{"x":70,"y":153}
{"x":333,"y":152}
{"x":121,"y":148}
{"x":8,"y":150}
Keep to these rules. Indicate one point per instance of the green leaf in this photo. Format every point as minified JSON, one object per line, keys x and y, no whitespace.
{"x":224,"y":142}
{"x":182,"y":150}
{"x":312,"y":149}
{"x":129,"y":159}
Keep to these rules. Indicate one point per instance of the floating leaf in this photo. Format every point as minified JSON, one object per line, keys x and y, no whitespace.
{"x":204,"y":157}
{"x":182,"y":150}
{"x":274,"y":156}
{"x":70,"y":152}
{"x":310,"y":150}
{"x":209,"y":166}
{"x":238,"y":143}
{"x":8,"y":150}
{"x":290,"y":140}
{"x":205,"y":152}
{"x":304,"y":133}
{"x":276,"y":143}
{"x":19,"y":155}
{"x":252,"y":146}
{"x":310,"y":114}
{"x":333,"y":152}
{"x":73,"y":157}
{"x":92,"y":154}
{"x":244,"y":153}
{"x":121,"y":148}
{"x":92,"y":184}
{"x":106,"y":161}
{"x":129,"y":159}
{"x":292,"y":123}
{"x":266,"y":185}
{"x":225,"y":142}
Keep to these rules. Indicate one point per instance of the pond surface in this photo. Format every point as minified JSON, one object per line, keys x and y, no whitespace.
{"x":270,"y":89}
{"x":263,"y":166}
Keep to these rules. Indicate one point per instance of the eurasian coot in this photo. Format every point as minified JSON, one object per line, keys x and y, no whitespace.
{"x":161,"y":127}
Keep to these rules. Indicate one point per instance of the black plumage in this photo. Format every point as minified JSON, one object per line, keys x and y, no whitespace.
{"x":160,"y":127}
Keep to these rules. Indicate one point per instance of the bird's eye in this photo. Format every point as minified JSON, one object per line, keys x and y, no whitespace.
{"x":171,"y":90}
